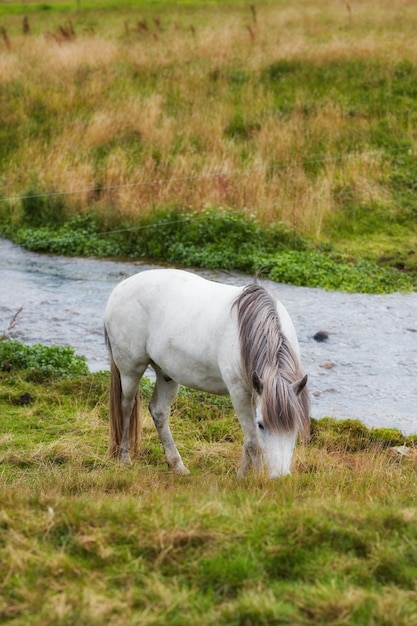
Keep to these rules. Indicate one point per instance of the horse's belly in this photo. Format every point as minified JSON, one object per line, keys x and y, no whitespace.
{"x":202,"y":382}
{"x":187,"y":370}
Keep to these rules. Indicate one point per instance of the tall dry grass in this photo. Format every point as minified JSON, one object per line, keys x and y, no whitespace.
{"x":180,"y":115}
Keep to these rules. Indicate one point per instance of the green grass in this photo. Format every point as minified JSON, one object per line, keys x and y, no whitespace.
{"x":86,"y":541}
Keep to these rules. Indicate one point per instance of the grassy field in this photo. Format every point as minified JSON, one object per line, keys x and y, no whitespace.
{"x":273,"y":135}
{"x":86,"y":541}
{"x":293,"y":113}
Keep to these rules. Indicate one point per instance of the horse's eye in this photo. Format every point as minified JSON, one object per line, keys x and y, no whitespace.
{"x":261,"y":426}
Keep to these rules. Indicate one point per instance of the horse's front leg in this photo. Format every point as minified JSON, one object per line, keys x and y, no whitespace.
{"x":251,"y":457}
{"x":252,"y":454}
{"x":160,"y":408}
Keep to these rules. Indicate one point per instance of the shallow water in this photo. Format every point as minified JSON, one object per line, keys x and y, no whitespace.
{"x":365,"y":370}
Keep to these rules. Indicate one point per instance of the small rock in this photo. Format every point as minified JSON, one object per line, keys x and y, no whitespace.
{"x":25,"y":399}
{"x":321,"y":336}
{"x":327,"y":366}
{"x":400,"y":450}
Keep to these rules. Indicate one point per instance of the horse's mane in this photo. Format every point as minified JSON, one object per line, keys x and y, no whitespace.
{"x":270,"y":362}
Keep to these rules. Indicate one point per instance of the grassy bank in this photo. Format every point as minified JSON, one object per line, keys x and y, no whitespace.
{"x":85,"y":541}
{"x":216,"y":239}
{"x":296,"y":115}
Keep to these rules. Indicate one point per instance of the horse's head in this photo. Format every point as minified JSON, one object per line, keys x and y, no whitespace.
{"x":271,"y":365}
{"x":281,"y":413}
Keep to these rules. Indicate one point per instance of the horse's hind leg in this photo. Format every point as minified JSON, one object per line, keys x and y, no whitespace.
{"x":129,"y":389}
{"x":160,"y":408}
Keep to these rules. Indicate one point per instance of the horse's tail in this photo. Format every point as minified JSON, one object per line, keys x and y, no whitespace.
{"x":116,"y":416}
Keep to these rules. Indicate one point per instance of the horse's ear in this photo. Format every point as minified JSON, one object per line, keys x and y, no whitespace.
{"x":257,"y":383}
{"x":299,"y":385}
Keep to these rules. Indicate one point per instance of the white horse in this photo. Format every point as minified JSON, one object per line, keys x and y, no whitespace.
{"x":215,"y":338}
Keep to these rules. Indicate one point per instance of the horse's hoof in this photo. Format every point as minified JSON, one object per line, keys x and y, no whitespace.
{"x":180,"y":470}
{"x":241,"y":474}
{"x":243,"y":470}
{"x":127,"y":461}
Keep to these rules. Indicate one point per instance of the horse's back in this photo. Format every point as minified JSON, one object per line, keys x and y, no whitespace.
{"x":177,"y":320}
{"x":169,"y":293}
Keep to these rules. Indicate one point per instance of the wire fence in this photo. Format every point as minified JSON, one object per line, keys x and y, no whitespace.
{"x":215,"y":174}
{"x":219,"y":172}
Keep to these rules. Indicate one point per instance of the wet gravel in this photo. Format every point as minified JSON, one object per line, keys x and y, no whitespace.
{"x":359,"y":350}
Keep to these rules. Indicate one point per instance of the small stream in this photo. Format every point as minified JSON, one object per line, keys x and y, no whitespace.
{"x":366,"y":369}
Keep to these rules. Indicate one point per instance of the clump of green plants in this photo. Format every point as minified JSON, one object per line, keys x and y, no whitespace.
{"x":318,"y":268}
{"x":352,"y":435}
{"x":77,"y":236}
{"x":40,"y":361}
